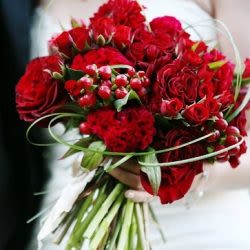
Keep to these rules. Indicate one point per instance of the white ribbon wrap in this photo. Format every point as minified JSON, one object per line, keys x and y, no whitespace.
{"x":64,"y":204}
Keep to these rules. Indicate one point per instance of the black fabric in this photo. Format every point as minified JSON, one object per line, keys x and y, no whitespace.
{"x":22,"y":169}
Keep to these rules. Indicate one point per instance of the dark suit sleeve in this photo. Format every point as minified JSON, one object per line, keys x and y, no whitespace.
{"x":21,"y":165}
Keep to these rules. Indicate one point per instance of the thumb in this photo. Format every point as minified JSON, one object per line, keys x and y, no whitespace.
{"x":138,"y":196}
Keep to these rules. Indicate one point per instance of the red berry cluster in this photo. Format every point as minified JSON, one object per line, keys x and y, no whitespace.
{"x":101,"y":84}
{"x":223,"y":137}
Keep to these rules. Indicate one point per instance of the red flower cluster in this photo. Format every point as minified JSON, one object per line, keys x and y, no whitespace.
{"x":176,"y":180}
{"x":100,"y":57}
{"x":67,"y":41}
{"x":183,"y":88}
{"x":118,"y":19}
{"x":37,"y":92}
{"x":127,"y":131}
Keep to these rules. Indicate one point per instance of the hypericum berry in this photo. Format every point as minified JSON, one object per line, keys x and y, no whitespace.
{"x":104,"y":92}
{"x":234,"y":151}
{"x":221,"y":125}
{"x":220,"y":115}
{"x":145,"y":82}
{"x":232,"y":130}
{"x":107,"y":83}
{"x":121,"y":80}
{"x":84,"y":128}
{"x":234,"y":161}
{"x":86,"y":82}
{"x":120,"y":93}
{"x":142,"y":92}
{"x":131,"y":72}
{"x":135,"y":84}
{"x":90,"y":69}
{"x":87,"y":100}
{"x":231,"y":140}
{"x":218,"y":148}
{"x":70,"y":85}
{"x":141,"y":73}
{"x":105,"y":72}
{"x":214,"y":137}
{"x":223,"y":159}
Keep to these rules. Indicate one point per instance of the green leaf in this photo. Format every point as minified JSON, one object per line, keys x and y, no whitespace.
{"x":153,"y":173}
{"x":83,"y":142}
{"x":195,"y":46}
{"x":216,"y":65}
{"x":75,"y":23}
{"x":132,"y":95}
{"x":71,"y":74}
{"x":92,"y":160}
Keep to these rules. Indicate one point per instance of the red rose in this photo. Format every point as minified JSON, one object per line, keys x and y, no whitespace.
{"x":167,"y":24}
{"x":172,"y":107}
{"x":206,"y":89}
{"x":197,"y":113}
{"x":122,"y":36}
{"x":212,"y":105}
{"x":176,"y":180}
{"x":246,"y":73}
{"x":177,"y":81}
{"x":223,"y":76}
{"x":65,"y":41}
{"x":37,"y":93}
{"x":148,"y":46}
{"x":80,"y":36}
{"x":100,"y":57}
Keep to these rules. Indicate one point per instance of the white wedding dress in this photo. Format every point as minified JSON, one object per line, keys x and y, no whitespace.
{"x":214,"y":221}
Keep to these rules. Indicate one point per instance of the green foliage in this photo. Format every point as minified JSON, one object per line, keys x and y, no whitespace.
{"x":153,"y":173}
{"x":92,"y":160}
{"x":132,"y":95}
{"x":83,"y":142}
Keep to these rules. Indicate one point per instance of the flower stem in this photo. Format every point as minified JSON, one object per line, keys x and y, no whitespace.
{"x":118,"y":226}
{"x":123,"y":238}
{"x":141,"y":233}
{"x":103,"y":211}
{"x":76,"y":236}
{"x":132,"y":234}
{"x":86,"y":204}
{"x":102,"y":229}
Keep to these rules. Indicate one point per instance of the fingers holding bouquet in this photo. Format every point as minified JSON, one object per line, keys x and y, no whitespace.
{"x":129,"y":174}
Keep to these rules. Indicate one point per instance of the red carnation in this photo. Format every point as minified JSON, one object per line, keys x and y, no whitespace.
{"x":123,"y":12}
{"x":176,"y":180}
{"x":129,"y":130}
{"x":100,"y":57}
{"x":167,"y":24}
{"x":122,"y":36}
{"x":103,"y":26}
{"x":37,"y":93}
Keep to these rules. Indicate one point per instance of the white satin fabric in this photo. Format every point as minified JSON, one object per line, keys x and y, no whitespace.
{"x":214,"y":221}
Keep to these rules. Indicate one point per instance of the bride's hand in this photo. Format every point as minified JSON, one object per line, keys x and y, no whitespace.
{"x":129,"y":174}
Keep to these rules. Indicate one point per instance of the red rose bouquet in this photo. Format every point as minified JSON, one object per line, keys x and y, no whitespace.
{"x":133,"y":90}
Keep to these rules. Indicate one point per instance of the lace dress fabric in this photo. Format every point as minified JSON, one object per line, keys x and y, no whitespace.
{"x":210,"y":222}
